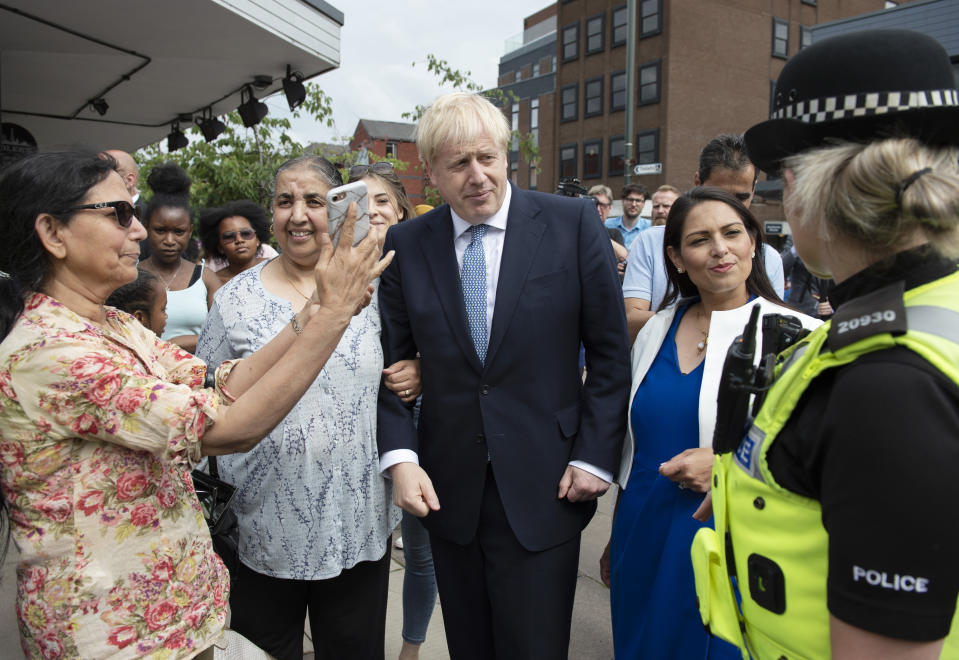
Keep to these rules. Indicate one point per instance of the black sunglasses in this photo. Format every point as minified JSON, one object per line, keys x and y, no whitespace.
{"x":230,"y":236}
{"x":382,"y":167}
{"x":123,"y":210}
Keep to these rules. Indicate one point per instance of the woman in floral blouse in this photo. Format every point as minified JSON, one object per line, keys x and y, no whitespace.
{"x":100,"y":421}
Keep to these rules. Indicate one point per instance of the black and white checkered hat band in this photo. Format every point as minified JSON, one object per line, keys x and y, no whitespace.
{"x":832,"y":108}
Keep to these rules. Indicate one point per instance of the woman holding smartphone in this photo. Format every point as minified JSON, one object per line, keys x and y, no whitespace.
{"x":315,"y":514}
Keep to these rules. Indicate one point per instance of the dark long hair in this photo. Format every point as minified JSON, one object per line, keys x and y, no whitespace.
{"x":757,"y":284}
{"x":210,"y":220}
{"x":46,"y":182}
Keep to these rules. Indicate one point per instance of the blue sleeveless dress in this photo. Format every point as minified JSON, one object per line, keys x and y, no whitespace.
{"x":652,"y":596}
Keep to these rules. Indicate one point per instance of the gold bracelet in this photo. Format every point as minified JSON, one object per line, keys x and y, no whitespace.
{"x":295,"y":325}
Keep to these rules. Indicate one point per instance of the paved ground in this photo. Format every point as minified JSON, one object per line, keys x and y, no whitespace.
{"x":591,"y":635}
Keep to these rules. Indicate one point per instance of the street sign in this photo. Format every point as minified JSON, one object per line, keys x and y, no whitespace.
{"x":648,"y":168}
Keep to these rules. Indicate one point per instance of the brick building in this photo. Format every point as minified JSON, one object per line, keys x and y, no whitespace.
{"x":391,"y":139}
{"x":703,"y":67}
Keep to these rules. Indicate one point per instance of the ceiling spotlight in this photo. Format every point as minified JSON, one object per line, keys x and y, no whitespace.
{"x":210,"y":126}
{"x":176,"y":139}
{"x":262,"y":81}
{"x":293,"y":88}
{"x":251,"y":111}
{"x":100,"y":105}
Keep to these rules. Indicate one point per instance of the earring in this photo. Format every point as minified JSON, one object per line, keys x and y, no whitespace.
{"x":679,"y":270}
{"x":271,"y":228}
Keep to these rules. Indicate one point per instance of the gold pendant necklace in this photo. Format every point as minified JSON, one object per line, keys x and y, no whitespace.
{"x":701,"y":346}
{"x":290,"y":280}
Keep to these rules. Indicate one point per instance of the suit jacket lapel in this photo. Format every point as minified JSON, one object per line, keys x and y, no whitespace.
{"x":524,"y":230}
{"x":440,"y":257}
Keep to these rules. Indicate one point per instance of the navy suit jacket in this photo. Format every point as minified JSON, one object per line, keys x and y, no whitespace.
{"x":527,"y":408}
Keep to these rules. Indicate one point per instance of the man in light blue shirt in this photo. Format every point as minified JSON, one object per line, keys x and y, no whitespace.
{"x":630,"y":224}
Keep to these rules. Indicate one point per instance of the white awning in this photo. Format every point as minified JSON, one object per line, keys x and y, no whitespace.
{"x":150,"y":61}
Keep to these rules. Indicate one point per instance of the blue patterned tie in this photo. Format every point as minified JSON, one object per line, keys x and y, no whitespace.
{"x":473,"y":277}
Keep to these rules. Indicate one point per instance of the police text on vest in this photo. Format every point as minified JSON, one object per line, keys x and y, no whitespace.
{"x":895,"y":581}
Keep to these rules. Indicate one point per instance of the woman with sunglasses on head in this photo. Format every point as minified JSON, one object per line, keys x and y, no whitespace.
{"x":389,"y":204}
{"x":315,"y":513}
{"x":101,"y":421}
{"x":233,"y":234}
{"x":711,"y":242}
{"x":169,"y":224}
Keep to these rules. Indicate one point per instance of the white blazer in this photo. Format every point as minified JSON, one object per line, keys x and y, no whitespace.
{"x":724,"y":327}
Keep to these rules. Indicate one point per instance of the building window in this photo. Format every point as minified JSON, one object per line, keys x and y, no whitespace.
{"x":593,"y":92}
{"x":534,"y":121}
{"x":780,"y":38}
{"x":618,"y":37}
{"x":593,"y":159}
{"x":809,"y":2}
{"x":391,"y":150}
{"x":533,"y":178}
{"x":617,"y":90}
{"x":647,"y":147}
{"x":519,"y":75}
{"x":514,"y":173}
{"x":567,"y":161}
{"x":595,"y":34}
{"x":805,"y":36}
{"x":570,"y":106}
{"x":552,"y":63}
{"x":772,"y":97}
{"x":535,"y":69}
{"x":649,"y":83}
{"x":650,"y":18}
{"x":571,"y":42}
{"x":514,"y":125}
{"x":617,"y":151}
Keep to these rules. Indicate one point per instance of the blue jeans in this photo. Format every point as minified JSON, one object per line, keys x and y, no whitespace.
{"x":419,"y":584}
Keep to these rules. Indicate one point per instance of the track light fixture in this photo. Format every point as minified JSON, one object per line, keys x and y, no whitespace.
{"x":176,"y":139}
{"x":293,"y":88}
{"x":210,"y":126}
{"x":100,"y":105}
{"x":251,"y":110}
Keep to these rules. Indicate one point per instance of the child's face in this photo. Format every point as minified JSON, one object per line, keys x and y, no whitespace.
{"x":157,"y":313}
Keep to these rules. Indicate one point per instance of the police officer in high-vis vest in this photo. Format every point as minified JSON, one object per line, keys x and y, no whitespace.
{"x":837,"y":517}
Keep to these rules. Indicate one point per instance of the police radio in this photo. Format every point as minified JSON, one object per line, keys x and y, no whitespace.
{"x":741,"y":378}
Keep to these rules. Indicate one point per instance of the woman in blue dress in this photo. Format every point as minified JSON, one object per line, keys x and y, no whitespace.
{"x":711,"y":241}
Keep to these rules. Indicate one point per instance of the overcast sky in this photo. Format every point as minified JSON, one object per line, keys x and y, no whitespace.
{"x":380,"y":41}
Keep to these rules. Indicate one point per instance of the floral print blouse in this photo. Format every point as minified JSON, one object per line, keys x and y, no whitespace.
{"x":99,"y":427}
{"x":310,"y":498}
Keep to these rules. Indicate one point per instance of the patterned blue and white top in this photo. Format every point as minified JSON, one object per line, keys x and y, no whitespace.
{"x":310,"y":498}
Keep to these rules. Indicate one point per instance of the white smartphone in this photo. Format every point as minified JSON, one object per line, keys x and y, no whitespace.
{"x":338,"y":201}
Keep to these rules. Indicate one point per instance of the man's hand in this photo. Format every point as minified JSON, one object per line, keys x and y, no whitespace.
{"x":579,"y":485}
{"x":413,"y":490}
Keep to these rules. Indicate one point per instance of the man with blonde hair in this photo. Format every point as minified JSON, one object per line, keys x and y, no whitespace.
{"x":495,"y":290}
{"x":663,"y":200}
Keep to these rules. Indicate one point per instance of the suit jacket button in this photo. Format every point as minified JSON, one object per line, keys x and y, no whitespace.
{"x":484,"y":389}
{"x":480,"y":438}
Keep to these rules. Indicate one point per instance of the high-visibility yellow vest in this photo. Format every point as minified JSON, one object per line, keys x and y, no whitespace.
{"x":775,"y":538}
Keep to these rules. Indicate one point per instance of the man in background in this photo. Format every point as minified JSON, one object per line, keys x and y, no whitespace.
{"x":663,"y":200}
{"x":630,"y":224}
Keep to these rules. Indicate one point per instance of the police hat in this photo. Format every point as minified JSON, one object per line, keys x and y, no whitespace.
{"x":859,"y":87}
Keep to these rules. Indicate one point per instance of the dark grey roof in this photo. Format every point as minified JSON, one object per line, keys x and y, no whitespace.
{"x":389,"y":130}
